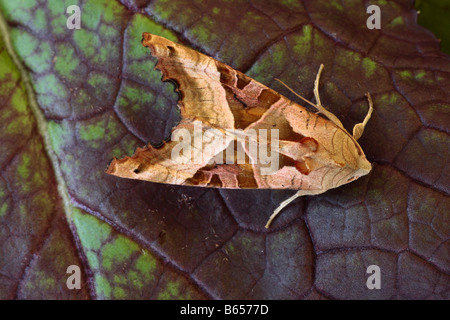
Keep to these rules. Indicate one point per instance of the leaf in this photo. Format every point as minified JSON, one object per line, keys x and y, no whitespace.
{"x":73,"y":99}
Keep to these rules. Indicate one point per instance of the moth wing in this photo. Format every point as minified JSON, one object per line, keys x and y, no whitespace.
{"x":174,"y":162}
{"x":197,"y":79}
{"x":210,"y":90}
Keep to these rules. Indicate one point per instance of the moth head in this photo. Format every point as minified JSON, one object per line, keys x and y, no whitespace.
{"x":363,"y":166}
{"x":349,"y":161}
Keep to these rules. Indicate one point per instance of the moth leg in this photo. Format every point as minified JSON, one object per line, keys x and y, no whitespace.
{"x":319,"y":106}
{"x":358,"y":129}
{"x":288,"y":201}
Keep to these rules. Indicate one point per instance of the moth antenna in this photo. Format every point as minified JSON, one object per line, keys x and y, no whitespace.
{"x":321,"y":108}
{"x":292,"y":90}
{"x":318,"y":106}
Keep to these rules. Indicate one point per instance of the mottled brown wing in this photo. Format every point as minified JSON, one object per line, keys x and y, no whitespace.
{"x":211,"y":90}
{"x":197,"y":78}
{"x":163,"y":164}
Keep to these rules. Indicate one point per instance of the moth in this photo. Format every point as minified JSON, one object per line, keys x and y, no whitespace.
{"x":237,"y":133}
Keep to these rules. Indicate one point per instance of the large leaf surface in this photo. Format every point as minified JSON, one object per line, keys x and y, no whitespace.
{"x":73,"y":99}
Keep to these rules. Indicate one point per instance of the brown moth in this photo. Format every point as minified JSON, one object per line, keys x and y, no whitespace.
{"x":229,"y":121}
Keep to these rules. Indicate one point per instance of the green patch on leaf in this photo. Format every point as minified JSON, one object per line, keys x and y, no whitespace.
{"x":109,"y":32}
{"x":96,"y":12}
{"x":92,"y":258}
{"x":40,"y":20}
{"x":202,"y":31}
{"x":136,"y":98}
{"x":102,"y":287}
{"x":20,"y":10}
{"x":350,"y":59}
{"x":92,"y":132}
{"x":121,"y":267}
{"x":99,"y":130}
{"x":31,"y":174}
{"x":15,"y":7}
{"x":405,"y":74}
{"x":44,"y":281}
{"x":19,"y":102}
{"x":24,"y":167}
{"x":170,"y":292}
{"x":389,"y":99}
{"x":8,"y":71}
{"x":336,"y":5}
{"x":420,"y":74}
{"x":56,"y":7}
{"x":87,"y":42}
{"x":24,"y":43}
{"x":291,"y":4}
{"x":59,"y":135}
{"x":91,"y":231}
{"x":146,"y":265}
{"x":369,"y":66}
{"x":15,"y":127}
{"x":303,"y":41}
{"x":119,"y":279}
{"x":49,"y":85}
{"x":117,"y":252}
{"x":101,"y":85}
{"x":3,"y":209}
{"x":163,"y":9}
{"x":67,"y":61}
{"x":397,"y":21}
{"x":425,"y":77}
{"x":119,"y":293}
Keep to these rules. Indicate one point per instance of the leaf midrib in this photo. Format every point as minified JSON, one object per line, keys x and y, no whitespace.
{"x":41,"y":122}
